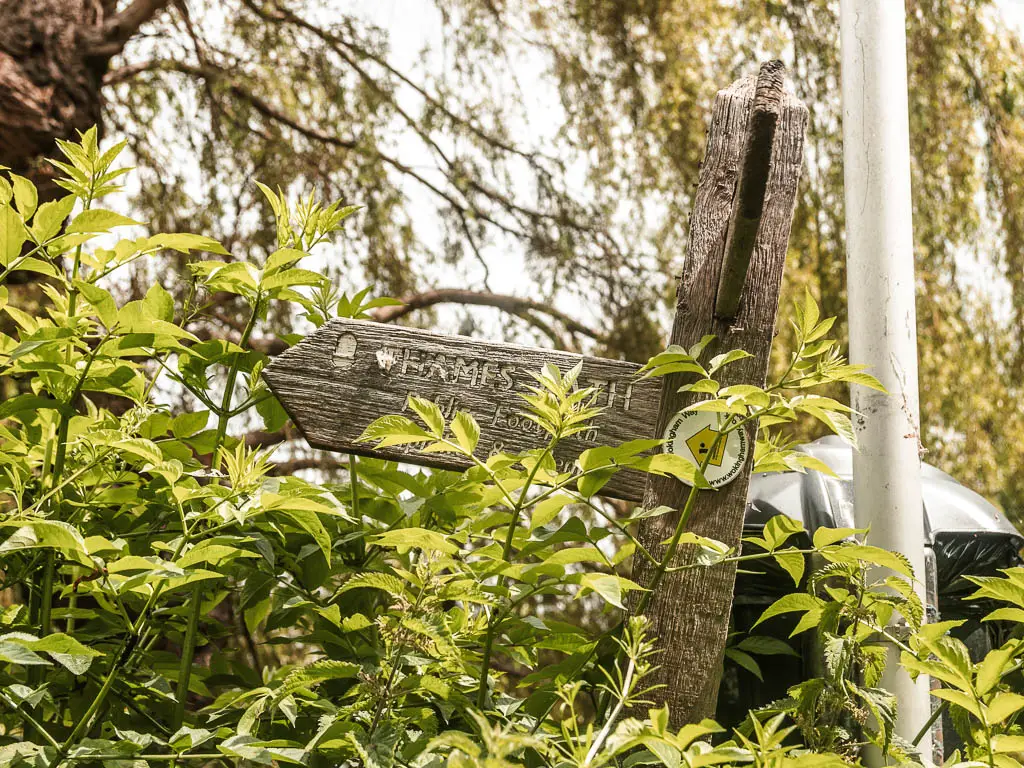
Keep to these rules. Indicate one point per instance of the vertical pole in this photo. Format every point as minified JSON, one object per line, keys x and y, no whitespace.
{"x":880,"y":285}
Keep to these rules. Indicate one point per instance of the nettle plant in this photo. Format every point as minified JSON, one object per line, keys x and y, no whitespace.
{"x":170,"y":600}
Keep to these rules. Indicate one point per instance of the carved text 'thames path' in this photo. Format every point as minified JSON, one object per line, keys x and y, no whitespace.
{"x":350,"y":372}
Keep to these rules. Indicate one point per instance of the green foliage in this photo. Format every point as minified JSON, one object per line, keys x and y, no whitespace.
{"x":174,"y":600}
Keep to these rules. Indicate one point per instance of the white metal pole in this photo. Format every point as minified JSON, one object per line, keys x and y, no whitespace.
{"x":880,"y":286}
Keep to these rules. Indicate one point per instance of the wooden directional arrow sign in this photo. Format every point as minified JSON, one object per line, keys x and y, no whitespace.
{"x":351,"y":372}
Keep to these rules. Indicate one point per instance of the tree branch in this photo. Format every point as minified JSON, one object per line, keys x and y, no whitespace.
{"x":270,"y":112}
{"x":512,"y":304}
{"x":110,"y":38}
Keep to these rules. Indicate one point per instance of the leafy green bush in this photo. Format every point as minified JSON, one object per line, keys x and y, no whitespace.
{"x":170,"y":601}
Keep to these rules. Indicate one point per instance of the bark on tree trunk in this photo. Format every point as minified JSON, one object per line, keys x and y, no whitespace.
{"x":53,"y":55}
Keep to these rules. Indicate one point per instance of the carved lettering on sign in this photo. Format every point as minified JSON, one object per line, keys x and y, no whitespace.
{"x":350,"y":372}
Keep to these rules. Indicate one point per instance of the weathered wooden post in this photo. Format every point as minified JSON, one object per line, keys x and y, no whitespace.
{"x":741,"y":218}
{"x":351,"y":372}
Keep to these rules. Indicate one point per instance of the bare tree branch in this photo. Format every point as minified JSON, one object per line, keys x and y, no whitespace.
{"x":109,"y":39}
{"x":271,"y":112}
{"x":512,"y":304}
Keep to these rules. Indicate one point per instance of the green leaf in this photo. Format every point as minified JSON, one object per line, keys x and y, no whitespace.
{"x":309,"y":522}
{"x":246,"y":747}
{"x":1004,"y":743}
{"x":808,"y":314}
{"x":853,"y":553}
{"x":727,"y":358}
{"x":189,"y":738}
{"x":764,"y":645}
{"x":959,"y":698}
{"x":101,"y":301}
{"x":990,"y":670}
{"x":283,"y":257}
{"x":212,"y":553}
{"x":183,"y":242}
{"x":793,"y":563}
{"x":430,"y":414}
{"x":99,"y":220}
{"x":548,"y":509}
{"x":25,"y":196}
{"x":50,"y":217}
{"x":188,"y":424}
{"x":314,"y":674}
{"x":1015,"y":615}
{"x":466,"y":431}
{"x":374,"y":580}
{"x":12,"y":235}
{"x":51,"y":534}
{"x":608,"y":586}
{"x":394,"y":430}
{"x":779,"y":529}
{"x":64,"y":649}
{"x":824,"y":537}
{"x":144,"y":449}
{"x":159,"y":303}
{"x":673,"y":465}
{"x":13,"y":653}
{"x":745,"y":661}
{"x":797,"y":601}
{"x":404,"y":539}
{"x":272,"y":412}
{"x":1003,"y":705}
{"x":838,"y":422}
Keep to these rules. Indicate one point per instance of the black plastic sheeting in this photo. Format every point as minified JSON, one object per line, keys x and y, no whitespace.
{"x":958,"y":555}
{"x":967,"y":537}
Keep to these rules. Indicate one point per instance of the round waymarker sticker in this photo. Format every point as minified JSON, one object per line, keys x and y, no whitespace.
{"x":691,"y":434}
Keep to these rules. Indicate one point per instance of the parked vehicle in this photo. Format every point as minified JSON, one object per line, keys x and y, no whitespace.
{"x":966,"y":535}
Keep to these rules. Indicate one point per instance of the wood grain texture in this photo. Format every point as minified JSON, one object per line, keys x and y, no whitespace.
{"x":350,"y":372}
{"x":690,"y":614}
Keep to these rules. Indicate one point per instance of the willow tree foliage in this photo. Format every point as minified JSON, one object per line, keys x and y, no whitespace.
{"x":567,"y":136}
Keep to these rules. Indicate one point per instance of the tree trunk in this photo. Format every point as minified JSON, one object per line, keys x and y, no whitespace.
{"x":53,"y":55}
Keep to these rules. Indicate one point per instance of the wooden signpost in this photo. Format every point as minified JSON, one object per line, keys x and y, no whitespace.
{"x":350,"y":372}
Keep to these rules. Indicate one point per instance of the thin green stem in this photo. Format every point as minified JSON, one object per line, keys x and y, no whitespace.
{"x":506,"y":551}
{"x":30,"y":720}
{"x":195,"y":609}
{"x":123,"y":757}
{"x":681,"y":523}
{"x":936,"y":714}
{"x":353,"y":479}
{"x":86,"y":720}
{"x":606,"y":731}
{"x":618,"y":526}
{"x":188,"y":651}
{"x":392,"y":673}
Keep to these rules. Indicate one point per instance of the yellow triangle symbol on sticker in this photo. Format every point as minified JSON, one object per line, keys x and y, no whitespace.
{"x":701,"y":442}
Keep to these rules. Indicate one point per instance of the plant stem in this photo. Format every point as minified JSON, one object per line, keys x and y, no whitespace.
{"x":188,"y":651}
{"x":670,"y":553}
{"x":188,"y":647}
{"x":395,"y":655}
{"x":492,"y":624}
{"x":353,"y":479}
{"x":30,"y":720}
{"x":86,"y":721}
{"x":627,"y":684}
{"x":684,"y":519}
{"x":936,"y":714}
